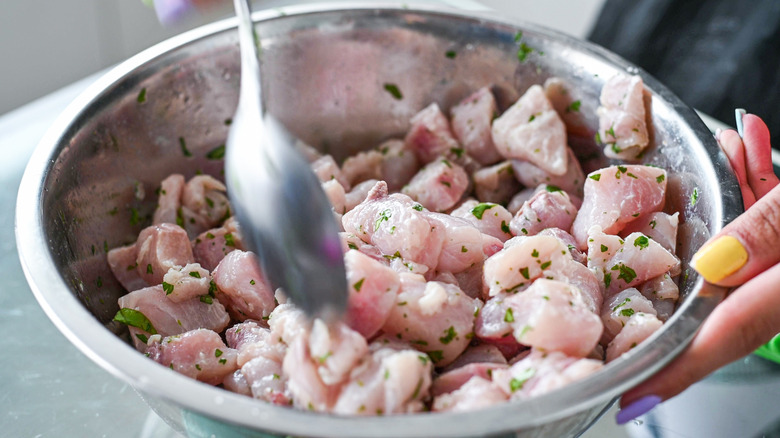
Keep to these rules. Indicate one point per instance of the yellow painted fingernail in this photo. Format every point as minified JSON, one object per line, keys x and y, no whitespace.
{"x":720,"y":259}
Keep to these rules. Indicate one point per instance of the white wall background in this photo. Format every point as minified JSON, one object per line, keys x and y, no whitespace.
{"x":45,"y":44}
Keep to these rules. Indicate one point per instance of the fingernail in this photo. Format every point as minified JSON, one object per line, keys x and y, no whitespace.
{"x":638,"y":407}
{"x":718,"y":131}
{"x":720,"y":259}
{"x":738,"y":113}
{"x":171,"y":11}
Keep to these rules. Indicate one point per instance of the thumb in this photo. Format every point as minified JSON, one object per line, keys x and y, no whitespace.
{"x":744,"y":248}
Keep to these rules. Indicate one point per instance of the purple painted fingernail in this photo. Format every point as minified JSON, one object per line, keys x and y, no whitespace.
{"x":171,"y":11}
{"x":638,"y":407}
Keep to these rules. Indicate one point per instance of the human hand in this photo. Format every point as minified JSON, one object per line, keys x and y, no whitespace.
{"x":744,"y":254}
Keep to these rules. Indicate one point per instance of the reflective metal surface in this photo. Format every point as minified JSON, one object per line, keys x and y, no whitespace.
{"x":90,"y":184}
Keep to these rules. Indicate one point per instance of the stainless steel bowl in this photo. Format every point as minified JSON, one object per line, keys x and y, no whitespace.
{"x":90,"y":184}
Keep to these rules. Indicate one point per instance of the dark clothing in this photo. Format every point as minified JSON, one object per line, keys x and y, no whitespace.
{"x":715,"y":55}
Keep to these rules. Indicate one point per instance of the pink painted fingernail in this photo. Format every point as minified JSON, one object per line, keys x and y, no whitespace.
{"x":718,"y":131}
{"x":638,"y":407}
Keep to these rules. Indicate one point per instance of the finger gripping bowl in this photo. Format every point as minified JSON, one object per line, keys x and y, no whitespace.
{"x":341,"y":78}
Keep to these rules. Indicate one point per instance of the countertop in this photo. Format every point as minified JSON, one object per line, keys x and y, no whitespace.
{"x":50,"y":389}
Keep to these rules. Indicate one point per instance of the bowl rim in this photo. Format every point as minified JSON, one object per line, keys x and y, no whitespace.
{"x":93,"y":339}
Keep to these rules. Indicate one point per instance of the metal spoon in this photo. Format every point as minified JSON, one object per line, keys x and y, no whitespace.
{"x":278,"y":201}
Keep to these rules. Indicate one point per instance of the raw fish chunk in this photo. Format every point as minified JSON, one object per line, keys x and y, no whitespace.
{"x":638,"y":328}
{"x":463,"y":244}
{"x":628,"y":263}
{"x":336,"y":195}
{"x":489,"y":218}
{"x":123,"y":263}
{"x":531,"y":130}
{"x":399,"y":164}
{"x":453,"y":379}
{"x":252,"y":340}
{"x":471,"y":120}
{"x":392,"y":379}
{"x":396,"y":223}
{"x":184,"y":282}
{"x":550,"y":208}
{"x":266,"y":380}
{"x":433,"y":317}
{"x":242,"y":287}
{"x":373,"y":287}
{"x":168,"y":318}
{"x":570,"y":182}
{"x":318,"y":361}
{"x":618,"y":309}
{"x":496,"y":183}
{"x":362,"y":166}
{"x":326,"y":169}
{"x":438,"y":186}
{"x":541,"y":372}
{"x":206,"y":198}
{"x":659,"y":226}
{"x":622,"y":125}
{"x":477,"y":393}
{"x":199,"y":354}
{"x":358,"y":194}
{"x":663,"y":292}
{"x":617,"y":195}
{"x":169,"y":201}
{"x":210,"y":247}
{"x":430,"y":135}
{"x":160,"y":248}
{"x":552,"y":315}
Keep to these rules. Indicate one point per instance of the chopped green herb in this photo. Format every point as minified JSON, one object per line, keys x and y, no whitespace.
{"x":184,"y":149}
{"x":447,"y":163}
{"x":642,"y":242}
{"x":552,"y":189}
{"x":142,"y":337}
{"x":417,"y":389}
{"x":134,"y":218}
{"x":212,"y":287}
{"x":451,"y":54}
{"x":627,"y":312}
{"x":524,"y":272}
{"x":449,"y":335}
{"x":352,"y":245}
{"x":607,"y":279}
{"x":142,"y":96}
{"x":394,"y":91}
{"x":149,"y":269}
{"x":518,"y":36}
{"x":436,"y":355}
{"x":574,"y":106}
{"x":217,"y":153}
{"x":383,"y":216}
{"x":446,"y":183}
{"x":517,"y":382}
{"x":604,"y":248}
{"x":660,"y":178}
{"x":167,"y":287}
{"x":611,"y":131}
{"x":417,"y":207}
{"x":206,"y":299}
{"x":631,"y":175}
{"x":534,"y":253}
{"x":419,"y":342}
{"x":595,"y":177}
{"x":523,"y":52}
{"x":597,"y":137}
{"x":652,"y":224}
{"x":695,"y":196}
{"x":464,"y":249}
{"x":458,"y":152}
{"x":479,"y":209}
{"x":626,"y":273}
{"x":229,"y":241}
{"x":546,"y":264}
{"x":505,"y":227}
{"x":523,"y":230}
{"x":134,"y":318}
{"x":195,"y":274}
{"x":358,"y":284}
{"x":509,"y":315}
